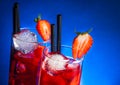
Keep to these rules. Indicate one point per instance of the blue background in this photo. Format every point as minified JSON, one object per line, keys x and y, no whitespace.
{"x":102,"y":63}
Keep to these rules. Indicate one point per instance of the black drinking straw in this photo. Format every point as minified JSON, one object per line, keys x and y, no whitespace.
{"x":52,"y":38}
{"x":59,"y":33}
{"x":16,"y":28}
{"x":16,"y":23}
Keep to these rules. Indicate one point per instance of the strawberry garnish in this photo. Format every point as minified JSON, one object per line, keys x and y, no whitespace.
{"x":43,"y":27}
{"x":81,"y":44}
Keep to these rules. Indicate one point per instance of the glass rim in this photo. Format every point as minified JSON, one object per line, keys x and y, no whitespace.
{"x":77,"y":60}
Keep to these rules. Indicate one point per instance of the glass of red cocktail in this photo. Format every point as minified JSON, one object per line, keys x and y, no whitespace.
{"x":59,"y":68}
{"x":25,"y":59}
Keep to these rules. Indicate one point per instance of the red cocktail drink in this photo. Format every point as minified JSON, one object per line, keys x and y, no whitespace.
{"x":59,"y":68}
{"x":25,"y":60}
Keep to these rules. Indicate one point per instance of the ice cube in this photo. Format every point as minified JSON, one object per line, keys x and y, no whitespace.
{"x":25,"y":41}
{"x":56,"y":62}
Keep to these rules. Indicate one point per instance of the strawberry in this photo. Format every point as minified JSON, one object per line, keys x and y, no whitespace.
{"x":44,"y":28}
{"x":81,"y":44}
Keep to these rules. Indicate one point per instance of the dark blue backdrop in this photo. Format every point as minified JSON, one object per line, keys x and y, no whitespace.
{"x":101,"y":65}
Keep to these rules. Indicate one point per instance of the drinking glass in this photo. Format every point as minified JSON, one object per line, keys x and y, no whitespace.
{"x":25,"y":60}
{"x":60,"y":68}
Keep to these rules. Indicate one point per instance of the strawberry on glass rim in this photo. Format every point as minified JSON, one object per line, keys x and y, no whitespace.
{"x":43,"y":27}
{"x":81,"y":44}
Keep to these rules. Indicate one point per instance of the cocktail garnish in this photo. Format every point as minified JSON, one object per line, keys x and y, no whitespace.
{"x":81,"y":44}
{"x":43,"y":27}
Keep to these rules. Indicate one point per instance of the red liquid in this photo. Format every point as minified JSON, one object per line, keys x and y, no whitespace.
{"x":24,"y":67}
{"x":68,"y":76}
